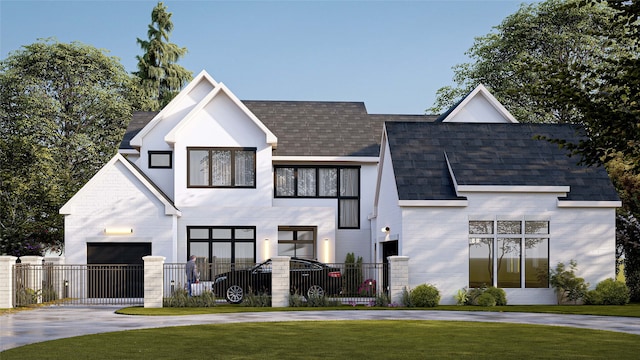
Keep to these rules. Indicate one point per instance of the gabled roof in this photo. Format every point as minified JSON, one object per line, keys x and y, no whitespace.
{"x":170,"y":208}
{"x":479,"y":96}
{"x":311,"y":128}
{"x":431,"y":159}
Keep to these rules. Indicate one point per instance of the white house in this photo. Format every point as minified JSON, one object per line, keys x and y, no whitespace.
{"x":470,"y":197}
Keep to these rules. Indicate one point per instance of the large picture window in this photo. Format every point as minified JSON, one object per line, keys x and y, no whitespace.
{"x":496,"y":256}
{"x":297,"y":242}
{"x":222,"y":246}
{"x":341,"y":182}
{"x":221,"y":167}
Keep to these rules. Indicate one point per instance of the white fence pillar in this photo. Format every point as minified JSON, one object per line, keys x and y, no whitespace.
{"x":280,"y":281}
{"x":398,"y":277}
{"x":6,"y":281}
{"x":153,"y":281}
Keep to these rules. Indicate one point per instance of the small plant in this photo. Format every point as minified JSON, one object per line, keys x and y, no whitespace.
{"x":462,"y":296}
{"x":297,"y":300}
{"x":608,"y":292}
{"x":486,"y":299}
{"x":181,"y":298}
{"x":406,"y":298}
{"x":473,"y":294}
{"x":566,"y":284}
{"x":498,"y":294}
{"x":382,"y":299}
{"x":256,"y":299}
{"x":425,"y":295}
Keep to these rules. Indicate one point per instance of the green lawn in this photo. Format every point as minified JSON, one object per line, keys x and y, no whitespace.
{"x":384,"y":339}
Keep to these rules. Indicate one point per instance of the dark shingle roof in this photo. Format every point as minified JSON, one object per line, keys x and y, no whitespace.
{"x":488,"y":154}
{"x":310,"y":128}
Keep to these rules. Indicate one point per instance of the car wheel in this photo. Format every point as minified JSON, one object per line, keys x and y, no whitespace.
{"x":235,"y":294}
{"x":315,"y":291}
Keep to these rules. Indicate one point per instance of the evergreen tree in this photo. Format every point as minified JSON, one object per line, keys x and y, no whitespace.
{"x":160,"y":77}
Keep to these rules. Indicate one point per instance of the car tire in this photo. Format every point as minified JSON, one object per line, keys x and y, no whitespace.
{"x":315,"y":291}
{"x":234,"y":294}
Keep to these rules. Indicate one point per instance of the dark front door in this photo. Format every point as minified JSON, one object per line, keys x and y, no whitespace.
{"x":389,"y":248}
{"x":116,"y":270}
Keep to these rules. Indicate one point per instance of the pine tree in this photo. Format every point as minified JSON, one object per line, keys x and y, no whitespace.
{"x":160,"y":77}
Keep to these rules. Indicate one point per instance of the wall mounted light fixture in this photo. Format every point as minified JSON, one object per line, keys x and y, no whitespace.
{"x":118,"y":231}
{"x":385,"y":229}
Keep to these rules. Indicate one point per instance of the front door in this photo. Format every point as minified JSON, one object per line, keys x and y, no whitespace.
{"x":389,"y":248}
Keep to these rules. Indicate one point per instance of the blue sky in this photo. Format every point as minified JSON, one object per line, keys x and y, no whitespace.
{"x":393,"y":55}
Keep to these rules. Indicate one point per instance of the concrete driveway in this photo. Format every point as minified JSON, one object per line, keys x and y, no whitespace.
{"x":56,"y":322}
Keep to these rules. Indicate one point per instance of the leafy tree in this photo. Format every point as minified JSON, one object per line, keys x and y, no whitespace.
{"x":567,"y":284}
{"x":63,"y":109}
{"x":160,"y":77}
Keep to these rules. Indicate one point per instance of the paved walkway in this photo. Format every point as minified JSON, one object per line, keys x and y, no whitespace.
{"x":56,"y":322}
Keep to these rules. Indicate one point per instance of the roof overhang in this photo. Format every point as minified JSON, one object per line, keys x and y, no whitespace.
{"x":327,"y":159}
{"x":433,"y":203}
{"x":588,"y":204}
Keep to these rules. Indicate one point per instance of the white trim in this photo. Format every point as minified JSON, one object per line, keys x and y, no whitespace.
{"x":170,"y":138}
{"x":433,"y":203}
{"x":136,"y":141}
{"x":169,"y":208}
{"x":453,"y":176}
{"x":588,"y":204}
{"x":350,"y":159}
{"x":128,"y":152}
{"x":513,"y":188}
{"x":481,"y":90}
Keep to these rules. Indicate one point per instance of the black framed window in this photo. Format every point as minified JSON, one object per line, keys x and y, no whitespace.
{"x":297,"y":241}
{"x":228,"y":245}
{"x":160,"y":159}
{"x":221,"y":167}
{"x":341,"y":182}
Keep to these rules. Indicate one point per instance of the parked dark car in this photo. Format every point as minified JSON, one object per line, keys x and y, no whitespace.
{"x":307,"y":278}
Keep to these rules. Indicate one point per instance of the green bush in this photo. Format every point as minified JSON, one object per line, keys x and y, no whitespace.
{"x":406,"y":298}
{"x":609,"y":292}
{"x":566,"y":284}
{"x":473,"y":294}
{"x":498,"y":294}
{"x":486,"y":299}
{"x":425,"y":295}
{"x":256,"y":299}
{"x":180,"y":298}
{"x":462,"y":296}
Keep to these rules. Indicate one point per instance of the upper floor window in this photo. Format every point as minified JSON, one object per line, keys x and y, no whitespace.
{"x":221,"y":167}
{"x":341,"y":182}
{"x":160,"y":159}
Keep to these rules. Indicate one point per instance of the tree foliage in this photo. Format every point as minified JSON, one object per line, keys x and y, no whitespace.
{"x":160,"y":77}
{"x":63,"y":109}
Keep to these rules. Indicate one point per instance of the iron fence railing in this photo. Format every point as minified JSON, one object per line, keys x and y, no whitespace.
{"x":78,"y":284}
{"x":348,"y":283}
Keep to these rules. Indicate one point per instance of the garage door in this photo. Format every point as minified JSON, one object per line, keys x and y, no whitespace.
{"x":116,"y":269}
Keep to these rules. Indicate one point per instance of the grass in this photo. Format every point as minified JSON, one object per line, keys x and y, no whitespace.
{"x":629,"y":310}
{"x":384,"y":339}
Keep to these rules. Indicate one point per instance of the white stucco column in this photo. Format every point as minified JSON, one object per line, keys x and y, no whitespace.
{"x":6,"y":281}
{"x":398,"y":277}
{"x":280,"y":281}
{"x":153,"y":281}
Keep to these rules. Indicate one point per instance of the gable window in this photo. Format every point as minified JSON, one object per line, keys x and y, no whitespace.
{"x":297,"y":242}
{"x":221,"y":167}
{"x":341,"y":182}
{"x":496,"y":256}
{"x":160,"y":159}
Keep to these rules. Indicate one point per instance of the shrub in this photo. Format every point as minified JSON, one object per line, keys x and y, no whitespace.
{"x":486,"y":299}
{"x":473,"y":294}
{"x":609,"y":292}
{"x":406,"y":298}
{"x":425,"y":295}
{"x":297,"y":300}
{"x":382,"y":299}
{"x":498,"y":294}
{"x":180,"y":298}
{"x":462,"y":296}
{"x":566,"y":284}
{"x":256,"y":299}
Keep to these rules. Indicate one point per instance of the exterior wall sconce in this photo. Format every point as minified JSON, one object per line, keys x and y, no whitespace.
{"x":385,"y":229}
{"x":266,"y":248}
{"x":118,"y":231}
{"x":326,"y":250}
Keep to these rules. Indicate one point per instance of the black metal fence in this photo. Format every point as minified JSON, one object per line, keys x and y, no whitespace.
{"x":78,"y":284}
{"x":348,"y":283}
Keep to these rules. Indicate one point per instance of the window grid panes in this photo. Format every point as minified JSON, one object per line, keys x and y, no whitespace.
{"x":342,"y":183}
{"x":297,"y":242}
{"x":500,"y":259}
{"x":228,"y":245}
{"x":213,"y":167}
